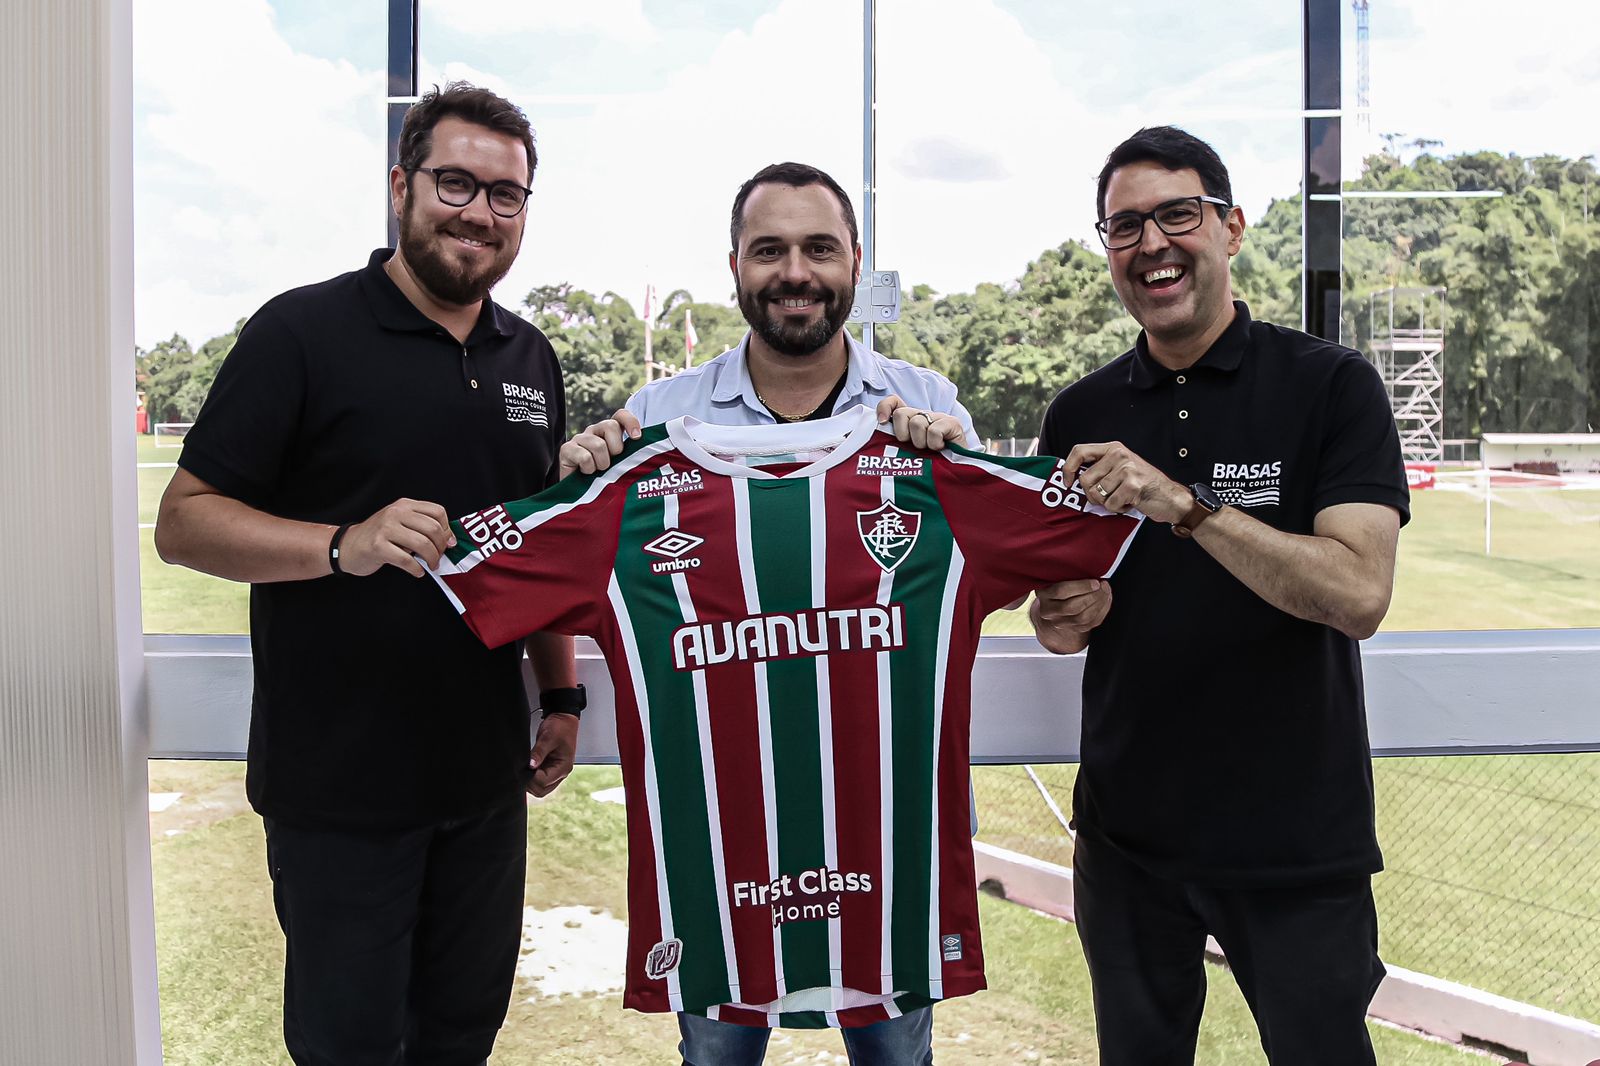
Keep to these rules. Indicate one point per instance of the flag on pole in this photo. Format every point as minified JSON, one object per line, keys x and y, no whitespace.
{"x":649,"y":333}
{"x":689,"y":337}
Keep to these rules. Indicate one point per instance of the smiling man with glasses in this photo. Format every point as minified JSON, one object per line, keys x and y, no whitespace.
{"x":389,"y":750}
{"x":1225,"y":783}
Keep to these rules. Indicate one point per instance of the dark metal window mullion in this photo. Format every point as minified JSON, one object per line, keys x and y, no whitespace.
{"x":1322,"y":217}
{"x":403,"y":15}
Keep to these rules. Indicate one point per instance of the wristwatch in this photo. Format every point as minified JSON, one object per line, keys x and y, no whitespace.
{"x":1206,"y":504}
{"x":564,"y":701}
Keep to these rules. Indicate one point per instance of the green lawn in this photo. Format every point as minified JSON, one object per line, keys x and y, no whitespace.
{"x":1544,"y":573}
{"x":1492,"y":874}
{"x":220,"y":955}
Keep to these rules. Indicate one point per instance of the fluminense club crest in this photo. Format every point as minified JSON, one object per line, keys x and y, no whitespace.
{"x":888,"y":534}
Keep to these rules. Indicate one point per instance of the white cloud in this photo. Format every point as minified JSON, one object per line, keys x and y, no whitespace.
{"x":257,"y":168}
{"x":616,"y":19}
{"x":260,"y":168}
{"x":1477,"y":77}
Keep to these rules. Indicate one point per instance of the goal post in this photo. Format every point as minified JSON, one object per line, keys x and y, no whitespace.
{"x":171,"y":434}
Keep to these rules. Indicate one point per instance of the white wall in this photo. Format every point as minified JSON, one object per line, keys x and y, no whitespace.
{"x":77,"y":940}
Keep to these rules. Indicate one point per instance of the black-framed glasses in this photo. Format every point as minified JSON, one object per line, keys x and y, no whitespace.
{"x":1175,"y":217}
{"x":458,"y":188}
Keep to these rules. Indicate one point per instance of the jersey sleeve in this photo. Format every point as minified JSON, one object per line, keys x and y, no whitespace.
{"x":1022,"y":523}
{"x":1360,"y":460}
{"x":540,"y":563}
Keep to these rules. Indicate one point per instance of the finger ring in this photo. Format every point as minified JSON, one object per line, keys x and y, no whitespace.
{"x":1104,"y":492}
{"x":926,"y":416}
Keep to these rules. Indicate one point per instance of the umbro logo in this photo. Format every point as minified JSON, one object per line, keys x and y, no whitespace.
{"x":672,"y":546}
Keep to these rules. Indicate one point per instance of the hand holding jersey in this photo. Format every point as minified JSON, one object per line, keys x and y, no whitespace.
{"x":591,"y":451}
{"x":400,"y":535}
{"x":1124,"y":481}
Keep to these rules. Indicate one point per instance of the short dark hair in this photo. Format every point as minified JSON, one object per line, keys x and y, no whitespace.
{"x":459,"y":99}
{"x":1174,"y":149}
{"x":798,"y":175}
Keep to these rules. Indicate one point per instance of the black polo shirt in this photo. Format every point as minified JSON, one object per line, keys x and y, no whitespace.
{"x":1223,"y":739}
{"x":374,"y":706}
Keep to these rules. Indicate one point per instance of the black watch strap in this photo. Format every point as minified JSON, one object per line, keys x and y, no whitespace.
{"x":564,"y":700}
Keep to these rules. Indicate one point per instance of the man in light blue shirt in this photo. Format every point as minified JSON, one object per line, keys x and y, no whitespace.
{"x":722,"y":390}
{"x":796,"y":260}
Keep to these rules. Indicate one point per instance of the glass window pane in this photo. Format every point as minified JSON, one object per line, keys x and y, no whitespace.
{"x":258,"y":161}
{"x":1472,"y":278}
{"x":649,"y":118}
{"x":987,"y":196}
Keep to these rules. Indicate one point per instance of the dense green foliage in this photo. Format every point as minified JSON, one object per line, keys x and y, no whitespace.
{"x":1521,"y":274}
{"x":175,"y":377}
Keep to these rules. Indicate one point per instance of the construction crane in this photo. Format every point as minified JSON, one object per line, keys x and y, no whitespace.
{"x":1363,"y":112}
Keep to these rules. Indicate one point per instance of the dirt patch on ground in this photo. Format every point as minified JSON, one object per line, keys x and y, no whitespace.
{"x":171,"y":816}
{"x":572,"y":951}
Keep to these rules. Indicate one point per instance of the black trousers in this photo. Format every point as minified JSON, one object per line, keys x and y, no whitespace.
{"x":1306,"y":959}
{"x":402,"y":946}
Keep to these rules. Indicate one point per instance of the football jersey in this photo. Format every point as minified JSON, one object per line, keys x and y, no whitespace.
{"x":789,"y":615}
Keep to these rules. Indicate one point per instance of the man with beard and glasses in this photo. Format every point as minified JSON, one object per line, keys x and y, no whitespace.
{"x":795,"y":260}
{"x":1225,"y":785}
{"x":389,"y":750}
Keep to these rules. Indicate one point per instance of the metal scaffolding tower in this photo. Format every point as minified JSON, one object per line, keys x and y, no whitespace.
{"x":1406,"y":326}
{"x":1363,"y":112}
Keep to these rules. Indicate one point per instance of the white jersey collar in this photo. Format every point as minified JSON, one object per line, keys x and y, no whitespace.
{"x":841,"y":436}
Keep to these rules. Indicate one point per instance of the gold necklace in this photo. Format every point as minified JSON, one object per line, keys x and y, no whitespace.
{"x":790,"y":418}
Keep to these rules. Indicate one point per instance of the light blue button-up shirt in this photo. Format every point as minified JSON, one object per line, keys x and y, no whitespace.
{"x":720,"y":390}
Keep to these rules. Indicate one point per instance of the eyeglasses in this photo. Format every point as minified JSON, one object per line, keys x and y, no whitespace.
{"x":1175,"y":217}
{"x":458,"y":188}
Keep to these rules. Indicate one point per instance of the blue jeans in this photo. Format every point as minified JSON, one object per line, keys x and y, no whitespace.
{"x":903,"y":1041}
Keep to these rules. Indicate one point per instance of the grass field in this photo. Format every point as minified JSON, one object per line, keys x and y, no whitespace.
{"x":1543,"y":573}
{"x":1492,"y":874}
{"x":221,"y":956}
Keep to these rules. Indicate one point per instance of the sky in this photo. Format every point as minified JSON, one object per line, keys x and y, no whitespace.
{"x":259,"y":154}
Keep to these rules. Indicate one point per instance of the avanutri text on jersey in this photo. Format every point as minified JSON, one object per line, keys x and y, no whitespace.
{"x":761,"y":637}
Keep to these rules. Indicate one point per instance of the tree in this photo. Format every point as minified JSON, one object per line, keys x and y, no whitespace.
{"x":176,"y":378}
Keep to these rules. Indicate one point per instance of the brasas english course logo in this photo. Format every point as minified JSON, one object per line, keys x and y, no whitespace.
{"x":524,"y":403}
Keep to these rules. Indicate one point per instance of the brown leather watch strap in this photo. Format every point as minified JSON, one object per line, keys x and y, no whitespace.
{"x":1186,"y":525}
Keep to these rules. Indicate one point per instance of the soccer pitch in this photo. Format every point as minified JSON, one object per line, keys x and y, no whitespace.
{"x":1544,"y":571}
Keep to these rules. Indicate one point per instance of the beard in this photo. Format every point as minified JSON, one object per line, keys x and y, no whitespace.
{"x":798,"y":338}
{"x":445,"y":277}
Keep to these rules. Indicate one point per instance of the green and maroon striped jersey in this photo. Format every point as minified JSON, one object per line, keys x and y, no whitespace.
{"x":789,"y":615}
